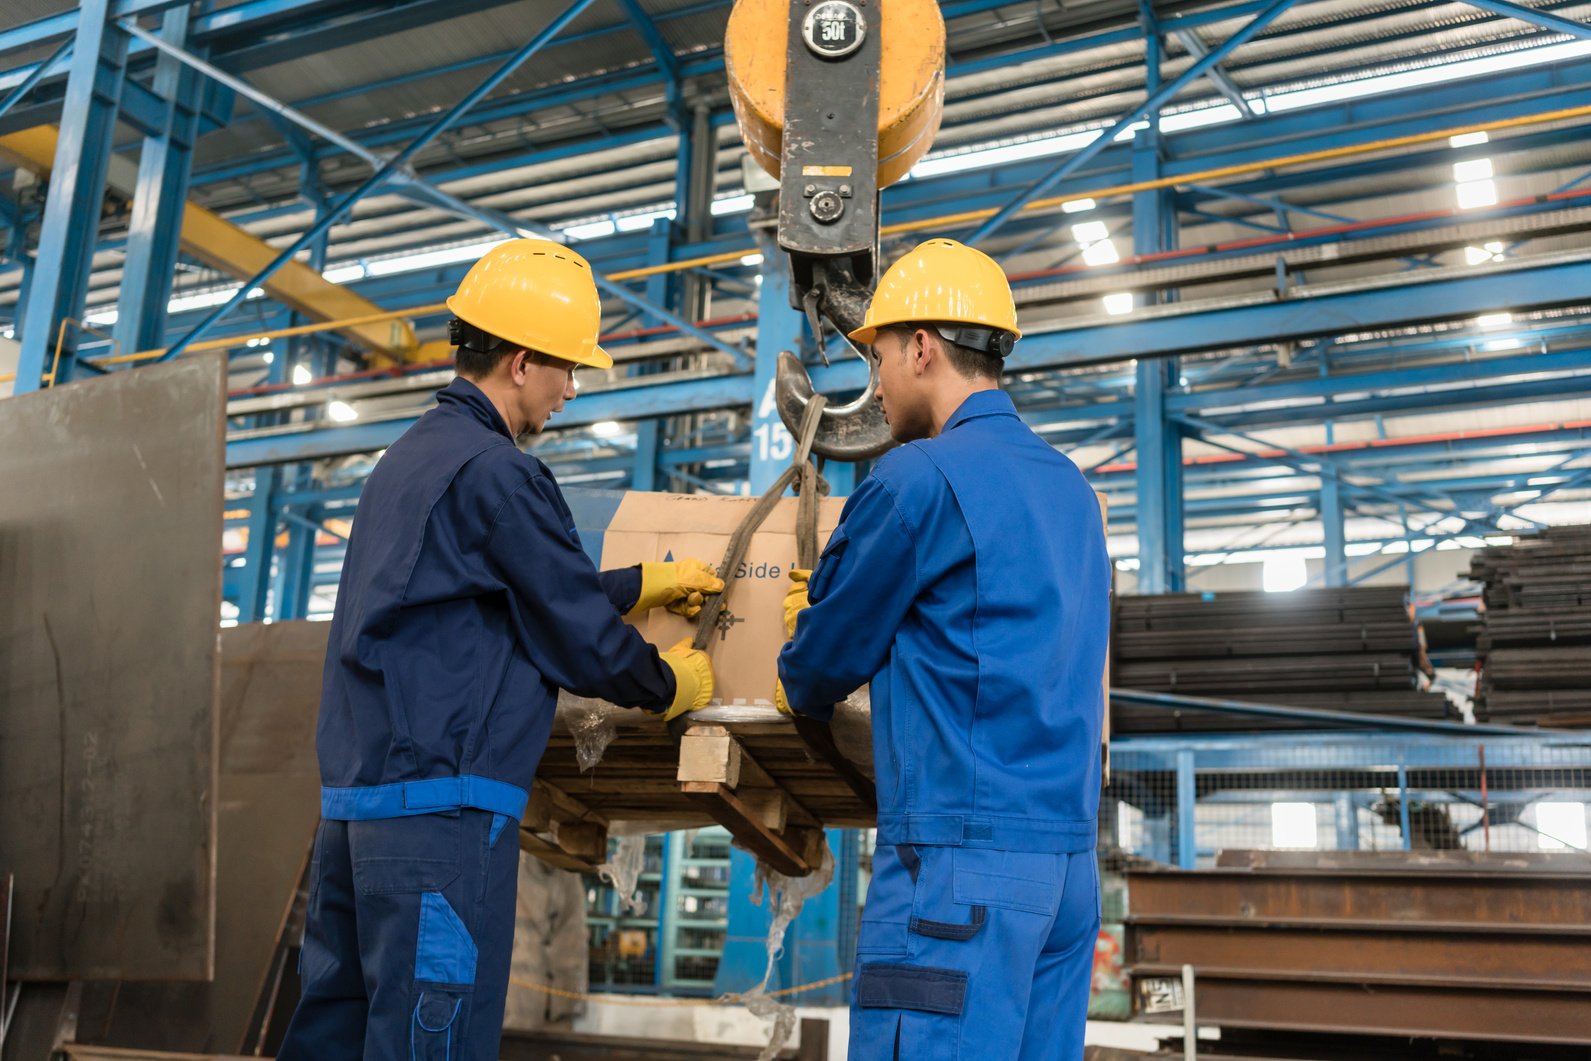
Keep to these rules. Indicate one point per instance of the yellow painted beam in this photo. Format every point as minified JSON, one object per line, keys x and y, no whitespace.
{"x":220,"y":244}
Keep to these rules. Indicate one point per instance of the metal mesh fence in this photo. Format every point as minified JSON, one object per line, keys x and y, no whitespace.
{"x":1183,"y":800}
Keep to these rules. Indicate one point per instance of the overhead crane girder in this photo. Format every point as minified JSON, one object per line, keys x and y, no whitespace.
{"x":218,"y":243}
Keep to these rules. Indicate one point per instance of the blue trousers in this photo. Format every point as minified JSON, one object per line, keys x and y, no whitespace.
{"x":408,"y":939}
{"x":975,"y":955}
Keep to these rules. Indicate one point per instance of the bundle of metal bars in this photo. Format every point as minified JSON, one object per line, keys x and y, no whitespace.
{"x":1345,"y":649}
{"x":1450,"y":945}
{"x":1535,"y":641}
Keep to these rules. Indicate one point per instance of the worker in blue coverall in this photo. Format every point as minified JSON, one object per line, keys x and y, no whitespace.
{"x":968,"y":580}
{"x":465,"y":605}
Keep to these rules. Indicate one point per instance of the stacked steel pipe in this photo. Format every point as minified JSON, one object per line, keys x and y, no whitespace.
{"x":1345,"y":649}
{"x":1535,"y":642}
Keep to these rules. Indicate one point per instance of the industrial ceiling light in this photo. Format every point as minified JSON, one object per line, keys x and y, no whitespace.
{"x":1118,"y":304}
{"x":341,"y":411}
{"x":606,"y":428}
{"x":301,"y":375}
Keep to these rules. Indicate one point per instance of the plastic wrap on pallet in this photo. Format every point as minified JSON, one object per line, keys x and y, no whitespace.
{"x":786,"y":897}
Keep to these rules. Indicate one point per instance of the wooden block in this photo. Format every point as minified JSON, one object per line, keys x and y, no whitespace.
{"x":709,"y":757}
{"x":769,"y":806}
{"x":551,"y":853}
{"x":728,"y":810}
{"x":587,"y":841}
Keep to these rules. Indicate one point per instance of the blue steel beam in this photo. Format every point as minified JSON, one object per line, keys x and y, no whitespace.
{"x":1534,"y":16}
{"x":42,"y":68}
{"x":77,"y":190}
{"x":1156,"y":99}
{"x":1218,"y":77}
{"x":159,"y":199}
{"x":330,"y":217}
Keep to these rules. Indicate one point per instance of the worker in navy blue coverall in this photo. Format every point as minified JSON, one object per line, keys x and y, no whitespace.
{"x":465,"y":605}
{"x":968,"y":580}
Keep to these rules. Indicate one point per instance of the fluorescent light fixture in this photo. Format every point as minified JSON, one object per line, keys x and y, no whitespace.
{"x":1077,"y":206}
{"x":605,"y":428}
{"x":590,"y":230}
{"x":636,"y":222}
{"x":102,"y":316}
{"x":1468,"y":139}
{"x":751,"y":259}
{"x":1430,"y":75}
{"x":1101,"y":253}
{"x":1118,"y":304}
{"x":255,"y":292}
{"x":467,"y":252}
{"x":344,"y":274}
{"x":269,"y":357}
{"x":732,"y":204}
{"x":1476,"y":194}
{"x":1487,"y":252}
{"x":1284,"y":573}
{"x":1474,"y":169}
{"x":301,"y":375}
{"x":1561,"y":825}
{"x":1086,"y":232}
{"x":1293,"y":825}
{"x":341,"y":411}
{"x":1002,"y":154}
{"x":1502,"y":344}
{"x":1494,"y":320}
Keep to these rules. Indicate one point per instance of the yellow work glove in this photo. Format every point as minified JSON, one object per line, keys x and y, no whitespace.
{"x":679,"y":585}
{"x":778,"y":698}
{"x":795,"y":598}
{"x":693,"y":679}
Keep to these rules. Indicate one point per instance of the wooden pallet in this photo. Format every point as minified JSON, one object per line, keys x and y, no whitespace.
{"x":744,"y":768}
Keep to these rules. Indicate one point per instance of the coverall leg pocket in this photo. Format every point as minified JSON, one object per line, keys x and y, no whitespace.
{"x":908,"y":1011}
{"x":444,"y":974}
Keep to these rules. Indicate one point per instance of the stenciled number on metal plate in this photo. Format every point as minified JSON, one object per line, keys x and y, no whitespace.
{"x":834,"y":29}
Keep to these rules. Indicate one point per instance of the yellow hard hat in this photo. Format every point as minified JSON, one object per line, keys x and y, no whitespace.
{"x":941,"y":281}
{"x":537,"y":294}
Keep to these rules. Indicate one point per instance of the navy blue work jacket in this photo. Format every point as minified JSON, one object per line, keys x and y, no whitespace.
{"x":968,"y":580}
{"x":465,"y":604}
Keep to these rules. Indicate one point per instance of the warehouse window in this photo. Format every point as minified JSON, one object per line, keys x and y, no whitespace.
{"x":1293,"y":825}
{"x":1284,"y":573}
{"x":1561,"y":826}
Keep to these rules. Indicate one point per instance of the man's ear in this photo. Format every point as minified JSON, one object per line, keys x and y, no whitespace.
{"x":926,"y":350}
{"x":517,"y":366}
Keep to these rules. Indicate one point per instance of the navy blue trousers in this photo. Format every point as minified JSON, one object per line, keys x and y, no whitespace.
{"x":975,"y":955}
{"x":408,"y":939}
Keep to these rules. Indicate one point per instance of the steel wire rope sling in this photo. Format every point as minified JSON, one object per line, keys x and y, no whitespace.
{"x":810,"y":486}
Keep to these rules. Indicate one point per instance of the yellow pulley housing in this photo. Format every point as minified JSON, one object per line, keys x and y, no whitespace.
{"x":911,"y":91}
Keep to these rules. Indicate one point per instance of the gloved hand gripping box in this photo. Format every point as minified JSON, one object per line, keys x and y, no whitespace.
{"x":750,"y":632}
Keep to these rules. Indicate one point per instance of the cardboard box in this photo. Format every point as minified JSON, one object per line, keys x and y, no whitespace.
{"x":745,"y":651}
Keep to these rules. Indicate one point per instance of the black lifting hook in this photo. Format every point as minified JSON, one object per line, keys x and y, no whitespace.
{"x":856,"y":430}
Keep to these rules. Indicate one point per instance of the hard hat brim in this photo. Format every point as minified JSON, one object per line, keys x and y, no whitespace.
{"x":864,"y":335}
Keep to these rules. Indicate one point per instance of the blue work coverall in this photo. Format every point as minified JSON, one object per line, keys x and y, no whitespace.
{"x":968,"y":579}
{"x":465,"y":604}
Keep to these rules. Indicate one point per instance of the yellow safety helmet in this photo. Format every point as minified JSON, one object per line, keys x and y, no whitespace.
{"x":537,"y":294}
{"x":943,"y":282}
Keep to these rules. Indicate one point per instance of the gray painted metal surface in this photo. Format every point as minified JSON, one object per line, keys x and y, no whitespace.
{"x":110,"y":588}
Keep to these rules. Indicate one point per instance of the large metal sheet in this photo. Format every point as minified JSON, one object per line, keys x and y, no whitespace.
{"x":110,"y":589}
{"x":269,"y":803}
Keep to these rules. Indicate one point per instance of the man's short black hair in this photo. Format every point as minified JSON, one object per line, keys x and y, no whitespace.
{"x":970,"y":363}
{"x":480,"y":352}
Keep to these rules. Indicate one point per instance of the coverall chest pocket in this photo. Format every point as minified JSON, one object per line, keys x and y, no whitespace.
{"x":828,"y":564}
